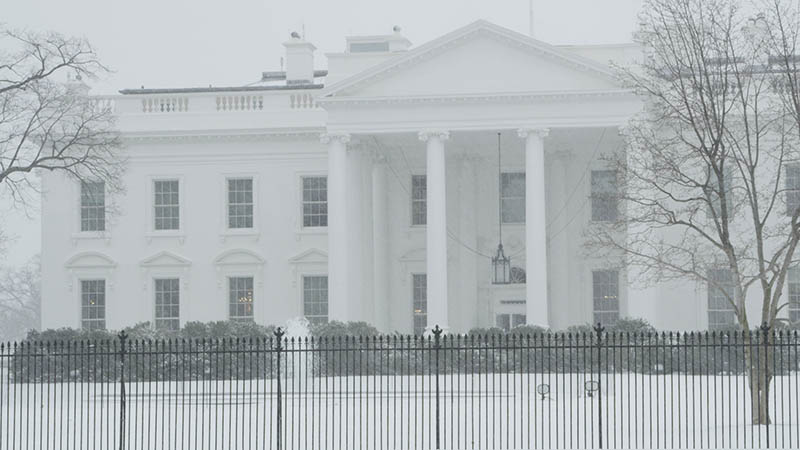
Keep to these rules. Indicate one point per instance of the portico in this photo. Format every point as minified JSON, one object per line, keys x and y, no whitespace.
{"x":461,"y":94}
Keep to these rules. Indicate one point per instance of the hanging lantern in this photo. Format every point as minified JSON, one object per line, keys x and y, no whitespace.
{"x":500,"y":262}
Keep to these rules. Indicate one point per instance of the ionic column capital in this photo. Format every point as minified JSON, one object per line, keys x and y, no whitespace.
{"x":327,"y":138}
{"x":426,"y":135}
{"x":541,"y":133}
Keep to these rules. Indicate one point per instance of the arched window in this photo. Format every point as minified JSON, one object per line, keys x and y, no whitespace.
{"x":517,"y":275}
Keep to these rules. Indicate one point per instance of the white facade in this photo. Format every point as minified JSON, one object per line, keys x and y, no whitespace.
{"x":383,"y":113}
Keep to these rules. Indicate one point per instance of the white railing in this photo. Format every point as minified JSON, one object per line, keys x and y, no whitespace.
{"x":302,"y":101}
{"x":165,"y":104}
{"x":240,"y":102}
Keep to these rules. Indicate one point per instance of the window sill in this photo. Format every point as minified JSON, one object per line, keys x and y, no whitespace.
{"x":168,"y":234}
{"x":253,"y":233}
{"x":91,"y":235}
{"x":310,"y":231}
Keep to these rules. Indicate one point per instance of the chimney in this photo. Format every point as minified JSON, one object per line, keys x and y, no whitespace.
{"x":299,"y":60}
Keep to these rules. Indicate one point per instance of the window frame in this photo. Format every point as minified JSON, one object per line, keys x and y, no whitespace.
{"x":414,"y":300}
{"x":150,"y":207}
{"x":253,"y":300}
{"x":423,"y":201}
{"x":596,"y":210}
{"x":595,"y":297}
{"x":227,"y":205}
{"x":301,"y":203}
{"x":503,"y":198}
{"x":81,"y":306}
{"x":795,"y":166}
{"x":709,"y":293}
{"x":793,"y":284}
{"x":156,"y":318}
{"x":303,"y":296}
{"x":104,"y":207}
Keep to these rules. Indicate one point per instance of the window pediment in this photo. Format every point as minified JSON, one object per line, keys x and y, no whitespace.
{"x":239,"y":257}
{"x":165,"y":259}
{"x":90,"y":260}
{"x":312,"y":256}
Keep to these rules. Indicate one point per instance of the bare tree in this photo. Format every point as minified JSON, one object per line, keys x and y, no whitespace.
{"x":47,"y":120}
{"x":20,"y":300}
{"x":703,"y":192}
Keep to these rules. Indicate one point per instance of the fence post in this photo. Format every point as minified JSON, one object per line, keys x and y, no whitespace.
{"x":123,"y":339}
{"x":598,"y":329}
{"x":765,"y":340}
{"x":437,"y":344}
{"x":279,"y":333}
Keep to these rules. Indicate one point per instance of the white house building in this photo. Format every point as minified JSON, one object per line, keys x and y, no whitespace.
{"x":368,"y":191}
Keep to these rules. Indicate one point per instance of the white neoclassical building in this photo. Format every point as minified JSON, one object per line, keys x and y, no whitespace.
{"x":368,"y":191}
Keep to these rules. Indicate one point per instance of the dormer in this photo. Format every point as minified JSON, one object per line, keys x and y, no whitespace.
{"x":394,"y":42}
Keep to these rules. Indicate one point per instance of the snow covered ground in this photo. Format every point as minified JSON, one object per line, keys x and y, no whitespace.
{"x":502,"y":411}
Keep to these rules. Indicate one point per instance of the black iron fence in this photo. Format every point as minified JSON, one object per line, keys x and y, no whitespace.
{"x":559,"y":390}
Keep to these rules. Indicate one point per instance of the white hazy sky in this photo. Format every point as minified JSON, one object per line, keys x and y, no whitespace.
{"x":180,"y":43}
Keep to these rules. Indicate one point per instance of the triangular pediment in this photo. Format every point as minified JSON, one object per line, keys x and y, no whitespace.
{"x":416,"y":255}
{"x":312,"y":256}
{"x":481,"y":58}
{"x":238,"y":257}
{"x":165,"y":259}
{"x":86,"y":260}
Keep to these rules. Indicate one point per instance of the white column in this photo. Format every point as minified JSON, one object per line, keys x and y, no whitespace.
{"x":355,"y":234}
{"x":436,"y":229}
{"x":380,"y":249}
{"x":337,"y":226}
{"x":537,"y":309}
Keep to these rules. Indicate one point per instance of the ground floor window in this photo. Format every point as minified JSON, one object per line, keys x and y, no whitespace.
{"x":93,"y":304}
{"x":605,"y":296}
{"x":794,"y":295}
{"x":168,"y":300}
{"x":240,"y":298}
{"x":509,"y":321}
{"x":721,"y":313}
{"x":315,"y":299}
{"x":420,"y":299}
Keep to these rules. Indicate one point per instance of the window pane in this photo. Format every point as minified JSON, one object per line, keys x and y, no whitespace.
{"x":240,"y":298}
{"x":167,"y":304}
{"x":240,"y":203}
{"x":721,"y":287}
{"x":512,"y":197}
{"x":93,"y":206}
{"x":315,"y":202}
{"x":792,"y":188}
{"x":93,"y":304}
{"x":166,"y":203}
{"x":420,"y":302}
{"x":419,"y":197}
{"x":605,"y":296}
{"x":315,"y":298}
{"x":604,"y":196}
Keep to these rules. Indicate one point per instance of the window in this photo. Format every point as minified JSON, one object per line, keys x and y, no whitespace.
{"x":721,"y":313}
{"x":792,"y":188}
{"x":167,"y":205}
{"x":93,"y":206}
{"x":509,"y":321}
{"x":240,"y":298}
{"x":240,"y":203}
{"x":512,"y":197}
{"x":605,"y":296}
{"x":315,"y":202}
{"x":420,"y":296}
{"x":516,"y":275}
{"x":714,"y":190}
{"x":93,"y":304}
{"x":315,"y":298}
{"x":419,"y":198}
{"x":168,"y":300}
{"x":794,"y":296}
{"x":604,"y":196}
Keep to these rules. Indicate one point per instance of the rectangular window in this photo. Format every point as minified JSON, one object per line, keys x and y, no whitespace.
{"x":509,"y":321}
{"x":240,"y":203}
{"x":168,"y":304}
{"x":93,"y":206}
{"x":315,"y":298}
{"x":420,"y":297}
{"x":605,"y":296}
{"x":604,"y":196}
{"x":166,"y":203}
{"x":315,"y":202}
{"x":794,"y":296}
{"x":93,"y":304}
{"x":792,"y":188}
{"x":721,"y":287}
{"x":240,"y":298}
{"x":419,"y":199}
{"x":512,"y":197}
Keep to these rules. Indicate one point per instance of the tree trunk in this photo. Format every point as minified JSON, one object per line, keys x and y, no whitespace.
{"x":757,"y":358}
